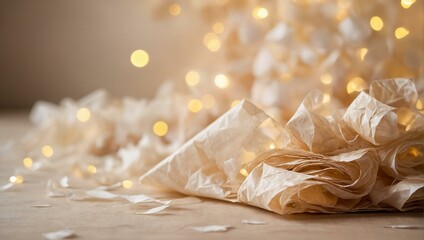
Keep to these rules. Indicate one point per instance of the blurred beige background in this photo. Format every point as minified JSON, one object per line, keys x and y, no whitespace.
{"x":57,"y":48}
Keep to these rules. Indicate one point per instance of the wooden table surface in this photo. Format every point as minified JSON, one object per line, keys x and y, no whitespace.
{"x":114,"y":220}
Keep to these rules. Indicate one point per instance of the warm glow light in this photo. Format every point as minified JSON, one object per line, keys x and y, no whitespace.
{"x":221,"y":81}
{"x":326,"y":98}
{"x":260,"y":13}
{"x":234,"y":103}
{"x":419,"y":105}
{"x":160,"y":128}
{"x":326,"y":79}
{"x":16,"y":179}
{"x":195,"y":105}
{"x":212,"y":42}
{"x":362,"y":53}
{"x":47,"y":151}
{"x":208,"y":101}
{"x":127,"y":184}
{"x":356,"y":84}
{"x":376,"y":23}
{"x":218,"y":27}
{"x":407,"y":3}
{"x":401,"y":32}
{"x":139,"y":58}
{"x":271,"y":146}
{"x":414,"y":152}
{"x":192,"y":78}
{"x":244,"y":172}
{"x":27,"y":162}
{"x":91,"y":169}
{"x":83,"y":114}
{"x":174,"y":9}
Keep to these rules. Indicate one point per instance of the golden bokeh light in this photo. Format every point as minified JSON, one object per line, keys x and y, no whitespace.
{"x":127,"y":184}
{"x":376,"y":23}
{"x":234,"y":103}
{"x":208,"y":101}
{"x":160,"y":128}
{"x":139,"y":58}
{"x":407,"y":3}
{"x":326,"y":79}
{"x":244,"y":172}
{"x":326,"y":98}
{"x":47,"y":151}
{"x":212,"y":42}
{"x":362,"y":53}
{"x":401,"y":32}
{"x":83,"y":114}
{"x":195,"y":105}
{"x":221,"y":81}
{"x":356,"y":84}
{"x":174,"y":9}
{"x":419,"y":105}
{"x":16,"y":179}
{"x":27,"y":162}
{"x":260,"y":13}
{"x":271,"y":146}
{"x":218,"y":27}
{"x":91,"y":169}
{"x":192,"y":78}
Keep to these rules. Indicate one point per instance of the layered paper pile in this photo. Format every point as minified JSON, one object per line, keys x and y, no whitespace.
{"x":366,"y":157}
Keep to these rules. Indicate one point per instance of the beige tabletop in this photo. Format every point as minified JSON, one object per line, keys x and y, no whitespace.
{"x":116,"y":220}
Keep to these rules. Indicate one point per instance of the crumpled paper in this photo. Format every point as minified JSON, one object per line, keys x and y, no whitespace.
{"x":308,"y":165}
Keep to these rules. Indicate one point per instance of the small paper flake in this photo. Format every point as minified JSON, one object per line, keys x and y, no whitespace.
{"x":253,"y":222}
{"x":41,"y":206}
{"x":62,"y":234}
{"x":212,"y":228}
{"x":155,"y":210}
{"x":405,"y":227}
{"x":6,"y":186}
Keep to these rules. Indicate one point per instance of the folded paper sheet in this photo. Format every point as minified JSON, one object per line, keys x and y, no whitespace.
{"x":322,"y":161}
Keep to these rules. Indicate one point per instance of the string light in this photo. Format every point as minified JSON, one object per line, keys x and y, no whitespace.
{"x":376,"y":23}
{"x":83,"y":114}
{"x":27,"y":162}
{"x":208,"y":101}
{"x":91,"y":169}
{"x":326,"y":79}
{"x":47,"y":151}
{"x":419,"y":105}
{"x":16,"y":179}
{"x":160,"y":128}
{"x":218,"y":27}
{"x":356,"y":84}
{"x":127,"y":184}
{"x":260,"y":13}
{"x":221,"y":81}
{"x":244,"y":172}
{"x":174,"y":9}
{"x":195,"y":105}
{"x":362,"y":53}
{"x":212,"y":42}
{"x":192,"y":78}
{"x":326,"y":98}
{"x":234,"y":103}
{"x":271,"y":146}
{"x":401,"y":32}
{"x":407,"y":3}
{"x":139,"y":58}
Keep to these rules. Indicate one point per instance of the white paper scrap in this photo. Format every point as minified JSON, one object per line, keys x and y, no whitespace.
{"x":212,"y":228}
{"x":62,"y":234}
{"x":6,"y":186}
{"x":156,"y":209}
{"x":405,"y":227}
{"x":253,"y":222}
{"x":41,"y":206}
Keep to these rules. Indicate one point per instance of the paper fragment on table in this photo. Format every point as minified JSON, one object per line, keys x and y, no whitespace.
{"x":253,"y":222}
{"x":40,"y":206}
{"x":155,"y":210}
{"x":212,"y":228}
{"x":62,"y":234}
{"x":405,"y":227}
{"x":6,"y":186}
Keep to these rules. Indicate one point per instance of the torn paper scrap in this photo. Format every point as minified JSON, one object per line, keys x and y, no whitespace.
{"x":212,"y":228}
{"x":62,"y":234}
{"x":253,"y":222}
{"x":209,"y":164}
{"x":405,"y":226}
{"x":156,"y":209}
